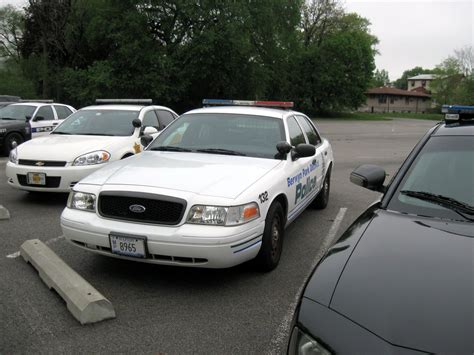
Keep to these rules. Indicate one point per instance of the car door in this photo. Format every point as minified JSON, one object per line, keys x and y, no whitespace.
{"x":313,"y":137}
{"x":43,"y":121}
{"x":304,"y":173}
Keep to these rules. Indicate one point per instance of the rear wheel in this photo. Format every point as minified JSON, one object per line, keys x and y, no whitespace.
{"x":10,"y":141}
{"x":322,"y":200}
{"x":272,"y":241}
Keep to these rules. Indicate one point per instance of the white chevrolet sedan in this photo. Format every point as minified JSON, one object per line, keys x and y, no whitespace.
{"x":215,"y":189}
{"x":82,"y":144}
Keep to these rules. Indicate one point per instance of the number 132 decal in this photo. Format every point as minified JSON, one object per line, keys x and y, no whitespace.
{"x":263,"y":197}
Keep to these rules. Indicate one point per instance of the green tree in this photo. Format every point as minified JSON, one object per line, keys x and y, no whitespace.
{"x":380,"y":78}
{"x":454,"y":83}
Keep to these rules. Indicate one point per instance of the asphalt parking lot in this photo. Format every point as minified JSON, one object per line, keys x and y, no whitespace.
{"x":181,"y":310}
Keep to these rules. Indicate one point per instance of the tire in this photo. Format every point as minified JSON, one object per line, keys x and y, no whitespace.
{"x":322,"y":199}
{"x":272,"y":241}
{"x":9,"y":139}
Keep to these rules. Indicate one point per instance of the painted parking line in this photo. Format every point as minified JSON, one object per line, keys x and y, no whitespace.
{"x":48,"y":242}
{"x":278,"y":342}
{"x":4,"y":213}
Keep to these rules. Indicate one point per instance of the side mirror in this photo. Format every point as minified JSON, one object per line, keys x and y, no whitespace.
{"x":283,"y":147}
{"x":146,"y":140}
{"x":38,"y":118}
{"x":149,"y":130}
{"x":136,"y":123}
{"x":303,"y":150}
{"x":369,"y":176}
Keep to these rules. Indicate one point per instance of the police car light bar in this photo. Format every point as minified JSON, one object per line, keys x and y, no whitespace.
{"x":457,"y":112}
{"x":125,"y":101}
{"x":39,"y":101}
{"x":219,"y":102}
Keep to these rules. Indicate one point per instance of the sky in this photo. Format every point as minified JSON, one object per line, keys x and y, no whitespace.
{"x":411,"y":33}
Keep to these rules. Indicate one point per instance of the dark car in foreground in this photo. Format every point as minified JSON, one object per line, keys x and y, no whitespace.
{"x":400,"y":280}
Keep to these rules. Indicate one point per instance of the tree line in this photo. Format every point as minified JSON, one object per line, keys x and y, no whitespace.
{"x":178,"y":52}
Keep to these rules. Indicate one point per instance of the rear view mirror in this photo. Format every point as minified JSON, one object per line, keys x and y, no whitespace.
{"x":369,"y":176}
{"x":146,"y":140}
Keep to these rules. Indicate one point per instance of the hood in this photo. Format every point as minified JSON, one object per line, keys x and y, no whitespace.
{"x":410,"y":280}
{"x":65,"y":148}
{"x":198,"y":173}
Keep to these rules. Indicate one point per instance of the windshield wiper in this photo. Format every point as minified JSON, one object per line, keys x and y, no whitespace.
{"x":447,"y":202}
{"x":170,"y":148}
{"x":220,"y":151}
{"x":54,"y":132}
{"x":95,"y":134}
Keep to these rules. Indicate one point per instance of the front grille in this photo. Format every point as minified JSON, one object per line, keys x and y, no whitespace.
{"x":51,"y":181}
{"x":41,"y":162}
{"x":159,"y":209}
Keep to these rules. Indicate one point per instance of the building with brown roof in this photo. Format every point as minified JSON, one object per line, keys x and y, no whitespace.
{"x":386,"y":99}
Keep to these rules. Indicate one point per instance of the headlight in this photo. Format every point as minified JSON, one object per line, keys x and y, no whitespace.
{"x":302,"y":344}
{"x":223,"y":216}
{"x":81,"y":201}
{"x":98,"y":157}
{"x":13,"y":157}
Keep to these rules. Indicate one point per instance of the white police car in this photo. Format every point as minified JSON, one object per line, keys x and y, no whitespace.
{"x":215,"y":189}
{"x":83,"y":143}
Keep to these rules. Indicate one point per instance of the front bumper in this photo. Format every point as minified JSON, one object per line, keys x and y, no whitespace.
{"x":183,"y":245}
{"x":58,"y":179}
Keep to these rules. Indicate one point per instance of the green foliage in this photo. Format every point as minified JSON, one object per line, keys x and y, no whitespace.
{"x":380,"y":79}
{"x":179,"y":51}
{"x":13,"y":82}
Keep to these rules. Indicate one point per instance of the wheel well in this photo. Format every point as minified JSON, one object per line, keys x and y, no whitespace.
{"x":284,"y":203}
{"x":329,"y":168}
{"x":20,"y":133}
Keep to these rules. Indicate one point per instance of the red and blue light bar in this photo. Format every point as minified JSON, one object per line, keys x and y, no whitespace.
{"x":456,"y":112}
{"x":220,"y":102}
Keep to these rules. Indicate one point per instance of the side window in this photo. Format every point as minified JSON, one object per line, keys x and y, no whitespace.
{"x":150,"y":120}
{"x":62,"y":111}
{"x":311,"y":133}
{"x":165,"y":118}
{"x":295,"y":132}
{"x":45,"y":113}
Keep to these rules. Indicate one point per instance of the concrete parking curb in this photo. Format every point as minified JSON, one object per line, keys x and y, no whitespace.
{"x":4,"y":214}
{"x":85,"y":303}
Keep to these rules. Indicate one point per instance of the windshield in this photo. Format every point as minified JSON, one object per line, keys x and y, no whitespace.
{"x":99,"y":123}
{"x":218,"y":133}
{"x":440,"y":182}
{"x":17,"y":112}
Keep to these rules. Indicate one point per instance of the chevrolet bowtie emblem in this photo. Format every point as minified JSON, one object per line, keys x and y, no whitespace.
{"x":39,"y":163}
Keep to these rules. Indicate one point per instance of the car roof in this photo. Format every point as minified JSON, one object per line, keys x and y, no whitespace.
{"x":123,"y":107}
{"x":465,"y":128}
{"x":36,"y":104}
{"x":246,"y":110}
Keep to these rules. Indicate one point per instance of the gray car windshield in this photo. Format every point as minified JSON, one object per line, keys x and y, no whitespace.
{"x":218,"y":133}
{"x":99,"y":123}
{"x":440,"y":182}
{"x":17,"y":112}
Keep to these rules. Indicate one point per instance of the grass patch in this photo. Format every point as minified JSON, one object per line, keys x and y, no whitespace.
{"x":366,"y":116}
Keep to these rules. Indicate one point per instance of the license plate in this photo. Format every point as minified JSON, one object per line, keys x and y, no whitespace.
{"x":36,"y":178}
{"x":127,"y":245}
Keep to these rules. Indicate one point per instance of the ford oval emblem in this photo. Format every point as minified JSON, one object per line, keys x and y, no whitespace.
{"x":137,"y":208}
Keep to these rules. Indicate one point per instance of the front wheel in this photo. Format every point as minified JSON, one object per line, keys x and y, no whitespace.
{"x":11,"y":140}
{"x":272,"y":241}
